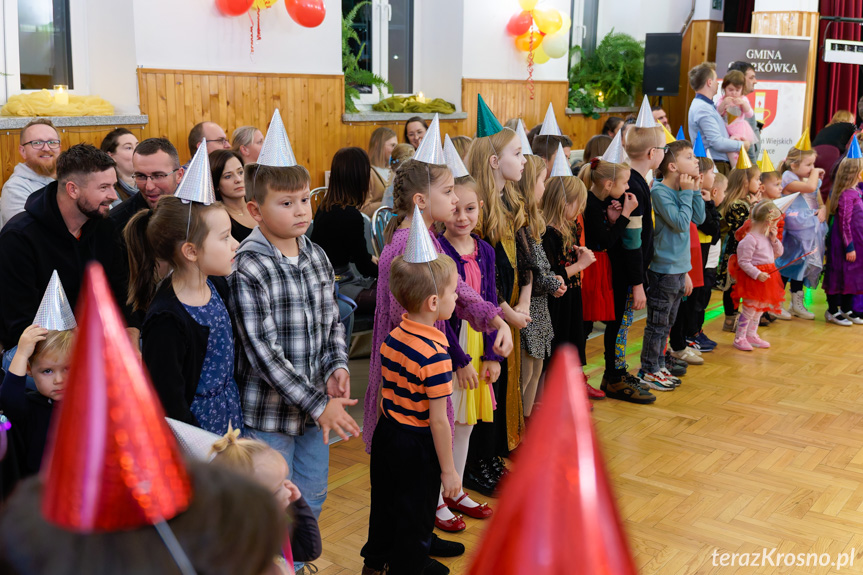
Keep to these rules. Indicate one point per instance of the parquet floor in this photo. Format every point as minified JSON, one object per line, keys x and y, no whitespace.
{"x":756,"y":450}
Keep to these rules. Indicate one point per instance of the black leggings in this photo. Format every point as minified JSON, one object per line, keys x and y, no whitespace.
{"x":796,"y":285}
{"x":836,"y":301}
{"x":729,"y":304}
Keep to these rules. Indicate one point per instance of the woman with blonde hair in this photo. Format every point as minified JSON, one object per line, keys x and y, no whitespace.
{"x":247,"y":141}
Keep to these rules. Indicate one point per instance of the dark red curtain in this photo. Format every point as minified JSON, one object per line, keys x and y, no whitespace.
{"x":738,"y":16}
{"x":836,"y":84}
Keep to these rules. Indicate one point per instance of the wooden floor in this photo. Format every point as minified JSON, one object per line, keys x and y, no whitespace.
{"x":756,"y":450}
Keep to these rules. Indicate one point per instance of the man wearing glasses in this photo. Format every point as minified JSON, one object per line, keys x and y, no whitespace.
{"x":157,"y":172}
{"x":215,"y":135}
{"x":39,"y":147}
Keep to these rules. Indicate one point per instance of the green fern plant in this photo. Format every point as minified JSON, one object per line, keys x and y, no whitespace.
{"x":354,"y":75}
{"x":615,"y":69}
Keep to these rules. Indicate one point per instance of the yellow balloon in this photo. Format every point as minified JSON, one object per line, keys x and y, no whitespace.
{"x":264,"y":4}
{"x":539,"y":56}
{"x":548,"y":21}
{"x":567,"y":23}
{"x":527,"y":4}
{"x":522,"y":43}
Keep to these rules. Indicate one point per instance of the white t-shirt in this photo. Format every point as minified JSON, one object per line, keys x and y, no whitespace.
{"x":293,"y":260}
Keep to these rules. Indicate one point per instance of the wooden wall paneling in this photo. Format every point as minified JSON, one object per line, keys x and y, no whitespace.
{"x":699,"y":45}
{"x":794,"y":24}
{"x":509,"y":99}
{"x":9,"y":141}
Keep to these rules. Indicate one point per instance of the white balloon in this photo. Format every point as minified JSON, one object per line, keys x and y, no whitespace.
{"x":556,"y":45}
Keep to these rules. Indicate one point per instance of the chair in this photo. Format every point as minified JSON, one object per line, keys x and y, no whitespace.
{"x":380,"y":219}
{"x":316,"y":196}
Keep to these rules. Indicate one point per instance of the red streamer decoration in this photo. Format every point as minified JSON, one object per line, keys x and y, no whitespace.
{"x":530,"y":85}
{"x":251,"y":35}
{"x":259,"y":23}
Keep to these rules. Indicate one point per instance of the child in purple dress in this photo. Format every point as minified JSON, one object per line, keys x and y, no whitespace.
{"x":843,"y":278}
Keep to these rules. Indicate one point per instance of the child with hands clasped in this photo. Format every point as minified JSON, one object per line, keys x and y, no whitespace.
{"x":843,"y":278}
{"x":292,"y":362}
{"x":614,"y":237}
{"x":757,"y":283}
{"x":411,"y":456}
{"x":562,"y":203}
{"x":45,"y":356}
{"x":677,"y":201}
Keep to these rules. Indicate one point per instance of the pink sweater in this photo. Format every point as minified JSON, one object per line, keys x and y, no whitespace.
{"x":757,"y":249}
{"x":388,"y":314}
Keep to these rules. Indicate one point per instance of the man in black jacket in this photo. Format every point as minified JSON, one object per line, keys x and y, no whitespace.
{"x":63,"y":227}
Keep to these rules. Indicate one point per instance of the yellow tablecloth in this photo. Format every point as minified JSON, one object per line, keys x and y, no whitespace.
{"x":42,"y":103}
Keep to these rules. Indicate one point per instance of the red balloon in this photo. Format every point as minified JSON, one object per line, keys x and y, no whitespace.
{"x":519,"y":23}
{"x":234,"y":7}
{"x":308,"y":13}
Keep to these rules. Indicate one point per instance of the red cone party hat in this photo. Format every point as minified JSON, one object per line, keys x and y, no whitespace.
{"x":112,"y":462}
{"x":557,"y":513}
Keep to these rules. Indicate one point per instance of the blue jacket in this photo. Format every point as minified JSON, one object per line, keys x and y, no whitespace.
{"x":673,"y":211}
{"x":704,"y":118}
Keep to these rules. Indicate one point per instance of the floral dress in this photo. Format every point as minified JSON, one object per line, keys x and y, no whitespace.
{"x":536,"y":337}
{"x":738,"y":213}
{"x":217,"y":398}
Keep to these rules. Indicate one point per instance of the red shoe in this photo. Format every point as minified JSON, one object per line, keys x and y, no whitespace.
{"x":592,"y":392}
{"x":451,"y":525}
{"x":481,"y":511}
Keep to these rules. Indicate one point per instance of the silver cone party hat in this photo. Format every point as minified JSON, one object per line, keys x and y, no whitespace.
{"x":453,"y":160}
{"x":549,"y":124}
{"x":615,"y":152}
{"x":522,"y":137}
{"x":645,"y":116}
{"x":785,"y":201}
{"x":55,"y":313}
{"x":197,"y":182}
{"x":419,"y":248}
{"x":276,"y":150}
{"x":194,"y":441}
{"x":561,"y":166}
{"x":430,"y":150}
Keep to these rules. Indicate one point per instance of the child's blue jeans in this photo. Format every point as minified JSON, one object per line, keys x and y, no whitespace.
{"x":664,"y":292}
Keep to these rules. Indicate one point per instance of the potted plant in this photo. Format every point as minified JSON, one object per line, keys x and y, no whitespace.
{"x":611,"y":76}
{"x":354,"y":75}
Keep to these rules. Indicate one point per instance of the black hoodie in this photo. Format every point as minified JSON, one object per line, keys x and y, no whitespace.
{"x":32,"y":245}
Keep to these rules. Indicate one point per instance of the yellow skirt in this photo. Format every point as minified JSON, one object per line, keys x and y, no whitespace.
{"x":472,"y":405}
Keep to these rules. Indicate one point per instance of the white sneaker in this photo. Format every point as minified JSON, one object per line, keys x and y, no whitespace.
{"x":798,"y":308}
{"x":852,"y":318}
{"x":782,"y":315}
{"x":688,"y":355}
{"x":838,"y":319}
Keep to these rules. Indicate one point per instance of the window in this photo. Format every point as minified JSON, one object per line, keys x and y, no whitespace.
{"x":37,"y":36}
{"x":386,"y":28}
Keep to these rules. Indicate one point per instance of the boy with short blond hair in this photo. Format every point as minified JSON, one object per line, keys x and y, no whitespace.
{"x":411,"y":452}
{"x":292,"y":361}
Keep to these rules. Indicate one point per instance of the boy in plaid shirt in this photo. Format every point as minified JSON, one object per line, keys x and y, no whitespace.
{"x":292,"y":358}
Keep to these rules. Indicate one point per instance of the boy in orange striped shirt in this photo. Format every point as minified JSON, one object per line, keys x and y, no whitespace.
{"x":411,"y":452}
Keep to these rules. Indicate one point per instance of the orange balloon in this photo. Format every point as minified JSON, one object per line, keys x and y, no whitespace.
{"x":522,"y":43}
{"x":548,"y":21}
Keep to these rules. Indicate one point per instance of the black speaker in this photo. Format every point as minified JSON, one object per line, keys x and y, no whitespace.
{"x":662,"y":64}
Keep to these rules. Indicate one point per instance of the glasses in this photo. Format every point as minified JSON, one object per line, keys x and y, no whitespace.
{"x":156,"y":178}
{"x":663,"y":148}
{"x":39,"y":144}
{"x":220,"y":141}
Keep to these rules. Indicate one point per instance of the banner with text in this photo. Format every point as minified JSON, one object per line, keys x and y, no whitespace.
{"x":779,"y":97}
